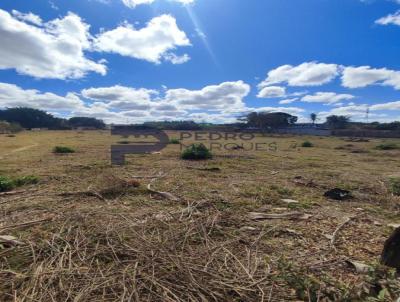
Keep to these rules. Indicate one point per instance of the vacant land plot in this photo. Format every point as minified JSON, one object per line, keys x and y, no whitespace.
{"x":243,"y":226}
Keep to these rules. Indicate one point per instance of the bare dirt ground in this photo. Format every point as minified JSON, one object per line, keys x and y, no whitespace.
{"x":86,"y":232}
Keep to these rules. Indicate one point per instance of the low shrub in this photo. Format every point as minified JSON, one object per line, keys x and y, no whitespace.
{"x":196,"y":152}
{"x":174,"y":141}
{"x":26,"y":180}
{"x":387,"y":146}
{"x":63,"y":150}
{"x":8,"y":183}
{"x":307,"y":144}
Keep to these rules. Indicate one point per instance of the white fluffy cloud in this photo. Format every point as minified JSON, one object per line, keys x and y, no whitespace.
{"x":151,"y":43}
{"x":50,"y":50}
{"x":227,"y":96}
{"x":121,"y":98}
{"x":134,"y":3}
{"x":390,"y":19}
{"x":326,"y":97}
{"x":272,"y":92}
{"x":386,"y":106}
{"x":288,"y":101}
{"x":29,"y":17}
{"x":358,"y":77}
{"x":306,"y":74}
{"x":14,"y":96}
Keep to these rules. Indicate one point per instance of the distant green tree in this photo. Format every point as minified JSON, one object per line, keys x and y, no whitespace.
{"x":313,"y":118}
{"x":337,"y":121}
{"x":264,"y":120}
{"x":31,"y":118}
{"x":76,"y":122}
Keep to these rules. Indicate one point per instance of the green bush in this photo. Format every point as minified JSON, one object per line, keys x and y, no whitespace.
{"x":387,"y":146}
{"x":395,"y":186}
{"x":307,"y":144}
{"x":6,"y":184}
{"x":61,"y":149}
{"x":174,"y":141}
{"x":196,"y":152}
{"x":26,"y":180}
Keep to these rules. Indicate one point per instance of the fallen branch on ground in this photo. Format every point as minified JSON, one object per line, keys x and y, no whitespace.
{"x":264,"y":216}
{"x":25,"y":224}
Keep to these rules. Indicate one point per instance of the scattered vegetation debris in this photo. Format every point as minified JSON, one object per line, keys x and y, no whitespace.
{"x":394,"y":225}
{"x":300,"y":181}
{"x":395,"y":185}
{"x":338,"y":194}
{"x":391,"y":251}
{"x":387,"y":146}
{"x":8,"y":183}
{"x":341,"y":226}
{"x":24,"y":224}
{"x":9,"y":241}
{"x":359,"y":267}
{"x":289,"y":201}
{"x":63,"y":150}
{"x":291,"y":215}
{"x":165,"y":195}
{"x":209,"y":169}
{"x":174,"y":141}
{"x":196,"y":152}
{"x":307,"y":144}
{"x":109,"y":187}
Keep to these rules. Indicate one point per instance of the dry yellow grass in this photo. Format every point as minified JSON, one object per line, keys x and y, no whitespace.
{"x":133,"y":245}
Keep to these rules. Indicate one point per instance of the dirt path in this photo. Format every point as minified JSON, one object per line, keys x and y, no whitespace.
{"x":19,"y":150}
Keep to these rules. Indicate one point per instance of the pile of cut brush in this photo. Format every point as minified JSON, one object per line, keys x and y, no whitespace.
{"x":117,"y":260}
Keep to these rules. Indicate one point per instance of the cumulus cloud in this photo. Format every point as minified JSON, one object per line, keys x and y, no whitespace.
{"x":288,"y":101}
{"x":306,"y":74}
{"x":272,"y":92}
{"x":14,"y":96}
{"x":134,"y":3}
{"x":390,"y":19}
{"x":326,"y":97}
{"x":227,"y":96}
{"x":29,"y":17}
{"x":121,"y":98}
{"x":358,"y":77}
{"x":151,"y":43}
{"x":46,"y":50}
{"x":386,"y":106}
{"x":175,"y":59}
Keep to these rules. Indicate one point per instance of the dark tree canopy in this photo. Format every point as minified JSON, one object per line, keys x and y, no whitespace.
{"x":337,"y":121}
{"x":174,"y":125}
{"x":31,"y":118}
{"x":86,"y":122}
{"x":269,"y":119}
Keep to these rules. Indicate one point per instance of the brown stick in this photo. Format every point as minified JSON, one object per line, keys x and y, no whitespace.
{"x":29,"y":223}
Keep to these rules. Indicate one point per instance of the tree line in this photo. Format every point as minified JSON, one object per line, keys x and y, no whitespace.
{"x":14,"y":119}
{"x":29,"y":118}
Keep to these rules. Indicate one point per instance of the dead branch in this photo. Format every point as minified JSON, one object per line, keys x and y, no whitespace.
{"x":25,"y":224}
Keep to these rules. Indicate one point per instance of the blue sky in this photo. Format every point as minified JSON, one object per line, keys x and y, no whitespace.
{"x":206,"y":60}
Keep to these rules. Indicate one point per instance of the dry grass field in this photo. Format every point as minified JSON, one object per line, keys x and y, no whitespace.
{"x":86,"y":232}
